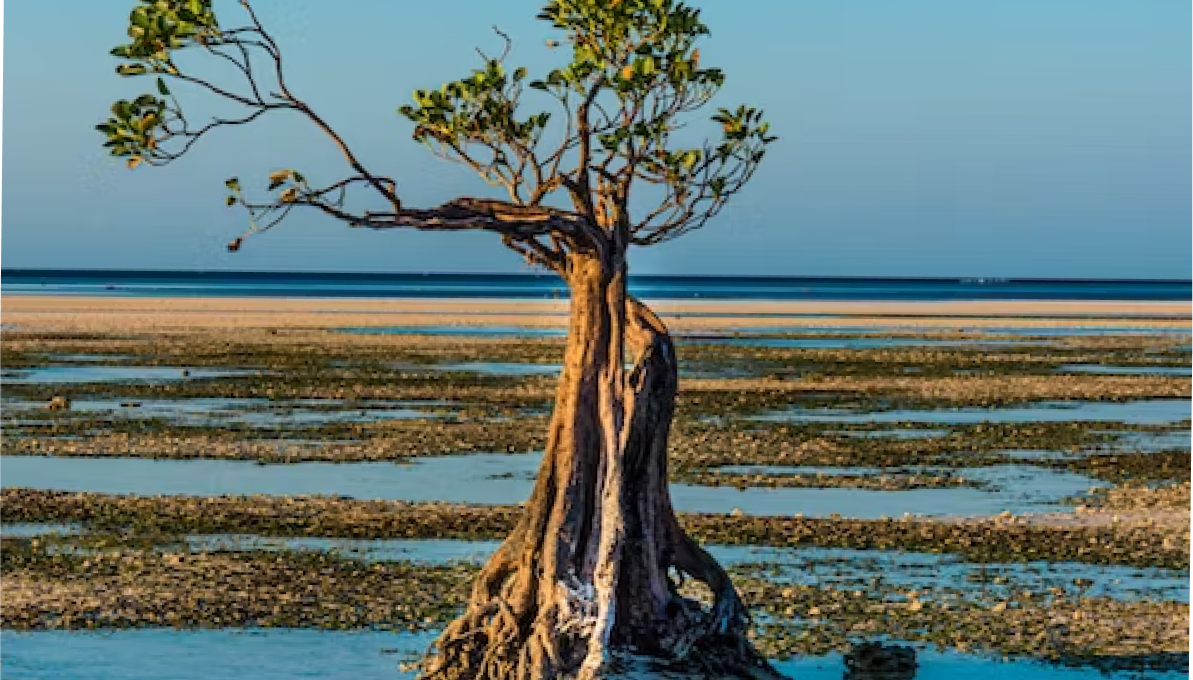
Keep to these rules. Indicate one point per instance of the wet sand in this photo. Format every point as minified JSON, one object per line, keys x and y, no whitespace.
{"x":135,"y":313}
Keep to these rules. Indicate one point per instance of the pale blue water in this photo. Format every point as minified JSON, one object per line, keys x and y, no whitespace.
{"x":29,"y":529}
{"x":1151,"y":441}
{"x":98,"y":374}
{"x":807,"y":566}
{"x":500,"y":479}
{"x":1103,"y":369}
{"x":285,"y":654}
{"x":900,"y":433}
{"x":853,"y":343}
{"x":1143,"y":411}
{"x":226,"y":411}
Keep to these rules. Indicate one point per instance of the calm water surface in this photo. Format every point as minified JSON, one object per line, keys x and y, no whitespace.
{"x":502,"y":479}
{"x":102,"y":374}
{"x":274,"y":654}
{"x":1146,"y":411}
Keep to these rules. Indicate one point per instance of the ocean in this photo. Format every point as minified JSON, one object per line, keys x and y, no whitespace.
{"x":544,"y":286}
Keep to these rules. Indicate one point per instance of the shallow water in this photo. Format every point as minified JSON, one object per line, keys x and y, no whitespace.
{"x":1037,"y":454}
{"x":499,"y":368}
{"x":842,"y":568}
{"x":30,"y":529}
{"x":970,"y":331}
{"x":858,"y":569}
{"x":257,"y":412}
{"x":1104,"y":369}
{"x":851,"y":343}
{"x":809,"y":470}
{"x":1151,"y":441}
{"x":1146,"y":411}
{"x":900,"y":433}
{"x":502,"y":479}
{"x":286,"y":654}
{"x":1018,"y":484}
{"x":88,"y":358}
{"x":53,"y":375}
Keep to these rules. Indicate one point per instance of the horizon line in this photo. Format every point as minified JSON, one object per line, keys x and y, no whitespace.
{"x":97,"y":272}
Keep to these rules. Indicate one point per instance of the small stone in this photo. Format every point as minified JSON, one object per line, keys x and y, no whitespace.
{"x":893,"y":661}
{"x":59,"y":403}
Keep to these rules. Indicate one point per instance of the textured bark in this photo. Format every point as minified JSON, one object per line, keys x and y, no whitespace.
{"x":587,"y":580}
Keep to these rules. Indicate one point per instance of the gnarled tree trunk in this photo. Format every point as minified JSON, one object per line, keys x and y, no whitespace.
{"x":587,"y":581}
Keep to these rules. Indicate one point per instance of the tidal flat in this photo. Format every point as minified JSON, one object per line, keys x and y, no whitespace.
{"x":1004,"y":486}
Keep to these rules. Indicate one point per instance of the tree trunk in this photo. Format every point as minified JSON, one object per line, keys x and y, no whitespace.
{"x":586,"y":584}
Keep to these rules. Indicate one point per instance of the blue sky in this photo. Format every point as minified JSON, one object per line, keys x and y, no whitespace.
{"x":919,"y":138}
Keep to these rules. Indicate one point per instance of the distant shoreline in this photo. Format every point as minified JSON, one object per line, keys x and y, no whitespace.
{"x":545,"y":287}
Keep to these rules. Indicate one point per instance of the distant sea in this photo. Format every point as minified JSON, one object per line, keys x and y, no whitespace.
{"x":115,"y":282}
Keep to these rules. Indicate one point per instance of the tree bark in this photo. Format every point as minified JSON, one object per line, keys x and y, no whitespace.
{"x":587,"y":583}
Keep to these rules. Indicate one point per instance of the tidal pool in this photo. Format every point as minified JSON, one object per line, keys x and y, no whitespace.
{"x":1020,"y":485}
{"x":31,"y":529}
{"x":969,"y":331}
{"x":257,"y":412}
{"x":286,"y":654}
{"x":505,"y":479}
{"x":498,"y":368}
{"x":897,"y":433}
{"x":1144,"y":411}
{"x":1151,"y":441}
{"x":840,"y":567}
{"x":1104,"y":369}
{"x":53,"y":375}
{"x":849,"y":343}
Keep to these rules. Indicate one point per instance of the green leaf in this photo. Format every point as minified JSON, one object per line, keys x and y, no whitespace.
{"x":140,"y":18}
{"x":161,"y":87}
{"x":233,"y":183}
{"x":230,"y":201}
{"x":122,"y":110}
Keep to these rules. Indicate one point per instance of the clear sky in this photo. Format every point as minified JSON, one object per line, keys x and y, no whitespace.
{"x":919,"y":138}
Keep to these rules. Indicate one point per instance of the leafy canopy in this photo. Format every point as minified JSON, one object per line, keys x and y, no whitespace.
{"x":634,"y":76}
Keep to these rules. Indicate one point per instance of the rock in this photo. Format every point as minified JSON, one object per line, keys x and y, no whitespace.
{"x":874,"y":661}
{"x":59,"y":403}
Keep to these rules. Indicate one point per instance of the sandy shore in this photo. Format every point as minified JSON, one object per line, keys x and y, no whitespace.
{"x":114,"y":313}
